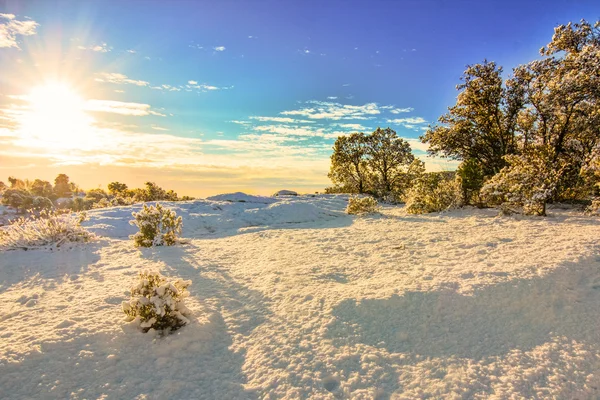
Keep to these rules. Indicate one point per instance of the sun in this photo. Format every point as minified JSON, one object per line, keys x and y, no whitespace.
{"x":55,"y":99}
{"x":55,"y":117}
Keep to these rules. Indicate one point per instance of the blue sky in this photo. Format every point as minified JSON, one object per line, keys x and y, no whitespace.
{"x":209,"y":97}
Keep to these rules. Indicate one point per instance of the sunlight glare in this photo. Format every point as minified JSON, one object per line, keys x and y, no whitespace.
{"x":55,"y":117}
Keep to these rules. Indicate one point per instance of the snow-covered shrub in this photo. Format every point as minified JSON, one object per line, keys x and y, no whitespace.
{"x":158,"y":226}
{"x":434,"y":192}
{"x":157,"y":303}
{"x":47,"y":229}
{"x":526,"y":184}
{"x":361,"y":205}
{"x":594,"y":208}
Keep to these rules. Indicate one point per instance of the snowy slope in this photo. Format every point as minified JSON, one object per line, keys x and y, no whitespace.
{"x":294,"y":299}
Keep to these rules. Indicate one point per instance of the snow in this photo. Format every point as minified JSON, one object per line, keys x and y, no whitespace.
{"x":242,"y":197}
{"x":296,"y":299}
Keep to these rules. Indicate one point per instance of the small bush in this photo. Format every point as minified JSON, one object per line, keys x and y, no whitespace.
{"x":158,"y":226}
{"x":433,"y":193}
{"x":361,"y":205}
{"x":594,"y":208}
{"x":47,"y":229}
{"x":157,"y":303}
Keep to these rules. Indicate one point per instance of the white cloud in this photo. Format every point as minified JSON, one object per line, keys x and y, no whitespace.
{"x":98,"y":48}
{"x":356,"y":127}
{"x":168,"y":88}
{"x":332,"y":98}
{"x":205,"y":88}
{"x":131,"y":51}
{"x":10,"y":28}
{"x":282,"y":119}
{"x":410,"y":120}
{"x":336,"y":111}
{"x":159,"y":128}
{"x":119,"y":79}
{"x":120,"y":107}
{"x":287,"y":130}
{"x":240,"y":122}
{"x":401,"y":110}
{"x":219,"y":48}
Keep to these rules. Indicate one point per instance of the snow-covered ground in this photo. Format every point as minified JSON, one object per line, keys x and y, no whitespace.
{"x":294,"y":299}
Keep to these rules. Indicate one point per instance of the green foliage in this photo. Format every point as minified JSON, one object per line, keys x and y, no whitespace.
{"x":41,"y":203}
{"x":41,"y":188}
{"x":433,"y":192}
{"x":158,"y":226}
{"x":81,"y":204}
{"x":482,"y":124}
{"x":117,"y":188}
{"x":375,"y":163}
{"x":470,"y":178}
{"x":61,"y":186}
{"x":16,"y":183}
{"x":96,"y":194}
{"x":157,"y":303}
{"x":17,"y":198}
{"x":348,"y":163}
{"x":361,"y":205}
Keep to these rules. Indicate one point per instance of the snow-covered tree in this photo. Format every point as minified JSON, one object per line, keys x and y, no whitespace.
{"x":527,"y":183}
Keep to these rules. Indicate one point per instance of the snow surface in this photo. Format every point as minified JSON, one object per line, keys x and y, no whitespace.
{"x":295,"y":299}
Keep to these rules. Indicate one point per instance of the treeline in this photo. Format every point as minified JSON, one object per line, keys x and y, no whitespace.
{"x":38,"y":194}
{"x":523,"y":141}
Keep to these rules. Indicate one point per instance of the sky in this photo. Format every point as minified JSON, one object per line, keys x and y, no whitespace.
{"x":208,"y":97}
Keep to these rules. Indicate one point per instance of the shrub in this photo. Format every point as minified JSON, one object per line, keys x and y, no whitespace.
{"x":157,"y":303}
{"x":594,"y":208}
{"x":42,"y":203}
{"x":158,"y":226}
{"x":361,"y":205}
{"x":434,"y":192}
{"x":47,"y":229}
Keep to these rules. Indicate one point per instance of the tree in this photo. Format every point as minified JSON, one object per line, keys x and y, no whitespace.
{"x":527,"y":182}
{"x":16,"y":183}
{"x":17,"y":198}
{"x":470,"y":177}
{"x":41,"y":188}
{"x":348,"y":163}
{"x":562,"y":95}
{"x":388,"y":156}
{"x":96,"y":194}
{"x":482,"y":124}
{"x":116,"y":188}
{"x":61,"y":186}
